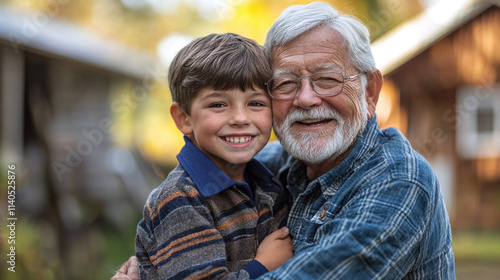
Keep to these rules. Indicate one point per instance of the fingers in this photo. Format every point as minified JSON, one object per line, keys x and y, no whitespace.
{"x":133,"y":270}
{"x":119,"y":276}
{"x":281,"y":233}
{"x":124,"y":268}
{"x":128,"y":271}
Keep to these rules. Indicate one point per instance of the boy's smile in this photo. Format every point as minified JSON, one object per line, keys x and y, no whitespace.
{"x":238,"y":139}
{"x":229,"y":126}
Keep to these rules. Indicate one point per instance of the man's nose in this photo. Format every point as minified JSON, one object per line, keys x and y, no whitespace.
{"x":306,"y":96}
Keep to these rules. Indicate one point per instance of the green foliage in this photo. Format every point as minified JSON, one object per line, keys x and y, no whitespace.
{"x":95,"y":253}
{"x":33,"y":260}
{"x":477,"y":246}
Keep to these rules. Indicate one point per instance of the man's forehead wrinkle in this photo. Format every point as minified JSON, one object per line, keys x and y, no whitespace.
{"x":306,"y":55}
{"x":315,"y":68}
{"x":308,"y":63}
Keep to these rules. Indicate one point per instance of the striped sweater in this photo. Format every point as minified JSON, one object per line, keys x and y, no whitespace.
{"x":200,"y":224}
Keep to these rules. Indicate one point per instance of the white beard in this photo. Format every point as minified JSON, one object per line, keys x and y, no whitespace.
{"x":305,"y":145}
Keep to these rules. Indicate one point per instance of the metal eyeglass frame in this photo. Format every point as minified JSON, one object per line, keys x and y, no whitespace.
{"x":344,"y":78}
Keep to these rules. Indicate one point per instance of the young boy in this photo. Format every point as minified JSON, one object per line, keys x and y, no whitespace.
{"x":209,"y":219}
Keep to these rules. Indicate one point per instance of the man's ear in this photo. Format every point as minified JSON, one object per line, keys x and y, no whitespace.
{"x":181,"y":118}
{"x":373,"y":88}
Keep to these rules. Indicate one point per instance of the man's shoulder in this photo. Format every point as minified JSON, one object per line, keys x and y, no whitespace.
{"x":273,"y":147}
{"x":273,"y":156}
{"x":401,"y":160}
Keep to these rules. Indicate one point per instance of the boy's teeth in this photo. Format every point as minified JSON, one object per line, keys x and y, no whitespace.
{"x":238,"y":140}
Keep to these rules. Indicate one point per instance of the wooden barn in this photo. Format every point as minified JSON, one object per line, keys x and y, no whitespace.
{"x":62,"y":90}
{"x":442,"y":89}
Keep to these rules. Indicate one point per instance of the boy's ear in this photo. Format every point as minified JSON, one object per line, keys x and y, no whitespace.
{"x":181,"y":119}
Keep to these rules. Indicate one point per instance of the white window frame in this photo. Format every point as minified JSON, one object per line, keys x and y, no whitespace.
{"x":471,"y":143}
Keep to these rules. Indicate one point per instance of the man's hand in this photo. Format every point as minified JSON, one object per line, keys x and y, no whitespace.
{"x":128,"y":271}
{"x":275,"y":249}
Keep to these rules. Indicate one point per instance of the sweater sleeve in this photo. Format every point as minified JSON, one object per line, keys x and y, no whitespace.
{"x":176,"y":239}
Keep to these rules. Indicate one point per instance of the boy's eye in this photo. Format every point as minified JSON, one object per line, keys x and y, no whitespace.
{"x":217,"y":105}
{"x":256,"y":104}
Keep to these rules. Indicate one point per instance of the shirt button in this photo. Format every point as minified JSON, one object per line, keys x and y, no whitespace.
{"x":322,"y":215}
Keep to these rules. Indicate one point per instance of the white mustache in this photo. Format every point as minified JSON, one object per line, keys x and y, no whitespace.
{"x":315,"y":113}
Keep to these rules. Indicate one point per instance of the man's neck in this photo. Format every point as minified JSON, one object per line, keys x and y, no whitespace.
{"x":315,"y":170}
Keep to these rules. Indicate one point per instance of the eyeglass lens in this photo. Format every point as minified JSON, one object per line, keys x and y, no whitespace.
{"x":323,"y":83}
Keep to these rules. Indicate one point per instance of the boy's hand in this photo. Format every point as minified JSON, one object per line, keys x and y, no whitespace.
{"x":275,"y":249}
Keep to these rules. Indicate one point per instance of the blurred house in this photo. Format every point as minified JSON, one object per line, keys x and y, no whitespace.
{"x":61,"y":92}
{"x":442,"y":89}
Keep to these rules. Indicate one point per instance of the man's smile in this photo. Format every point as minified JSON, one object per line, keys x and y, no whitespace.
{"x":311,"y":122}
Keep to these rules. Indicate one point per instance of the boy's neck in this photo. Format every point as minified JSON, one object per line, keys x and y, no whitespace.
{"x":235,"y":171}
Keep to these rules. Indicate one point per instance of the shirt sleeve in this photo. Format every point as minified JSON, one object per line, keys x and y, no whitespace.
{"x":255,"y":269}
{"x":176,"y":239}
{"x":375,"y":234}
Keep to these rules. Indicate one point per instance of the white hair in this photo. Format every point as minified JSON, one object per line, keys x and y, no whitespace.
{"x":298,"y":19}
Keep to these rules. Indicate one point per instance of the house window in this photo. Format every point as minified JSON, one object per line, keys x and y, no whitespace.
{"x":478,"y":121}
{"x":485,"y":120}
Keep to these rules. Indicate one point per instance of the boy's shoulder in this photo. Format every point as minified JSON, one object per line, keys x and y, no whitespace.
{"x":178,"y":184}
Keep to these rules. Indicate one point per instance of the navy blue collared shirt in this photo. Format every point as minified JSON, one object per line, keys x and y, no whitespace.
{"x":210,"y":179}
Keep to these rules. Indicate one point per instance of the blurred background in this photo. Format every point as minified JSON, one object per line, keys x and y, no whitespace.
{"x":85,"y":121}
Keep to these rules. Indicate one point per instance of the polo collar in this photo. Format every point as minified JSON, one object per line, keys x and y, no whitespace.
{"x":210,"y":179}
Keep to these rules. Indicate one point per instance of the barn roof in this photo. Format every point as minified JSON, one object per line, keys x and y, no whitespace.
{"x":42,"y":33}
{"x":406,"y":41}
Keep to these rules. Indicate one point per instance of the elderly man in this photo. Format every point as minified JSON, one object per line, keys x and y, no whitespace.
{"x":365,"y":204}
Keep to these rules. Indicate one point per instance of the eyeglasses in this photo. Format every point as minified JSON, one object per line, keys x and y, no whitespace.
{"x":326,"y":83}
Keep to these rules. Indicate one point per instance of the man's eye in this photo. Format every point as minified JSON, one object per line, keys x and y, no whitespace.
{"x":285,"y":83}
{"x":328,"y":79}
{"x":284,"y":87}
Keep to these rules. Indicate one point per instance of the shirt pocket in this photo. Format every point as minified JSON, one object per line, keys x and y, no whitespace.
{"x":325,"y":214}
{"x":310,"y":226}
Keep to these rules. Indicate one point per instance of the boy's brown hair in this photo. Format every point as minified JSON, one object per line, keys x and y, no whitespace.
{"x":222,"y":61}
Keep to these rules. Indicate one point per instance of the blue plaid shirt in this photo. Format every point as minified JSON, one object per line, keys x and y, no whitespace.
{"x":379,"y":214}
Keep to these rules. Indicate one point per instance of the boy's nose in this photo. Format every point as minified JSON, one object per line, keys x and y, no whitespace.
{"x":239,"y":117}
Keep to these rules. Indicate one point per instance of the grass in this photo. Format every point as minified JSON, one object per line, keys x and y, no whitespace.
{"x":477,"y":255}
{"x":482,"y":246}
{"x":96,"y":254}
